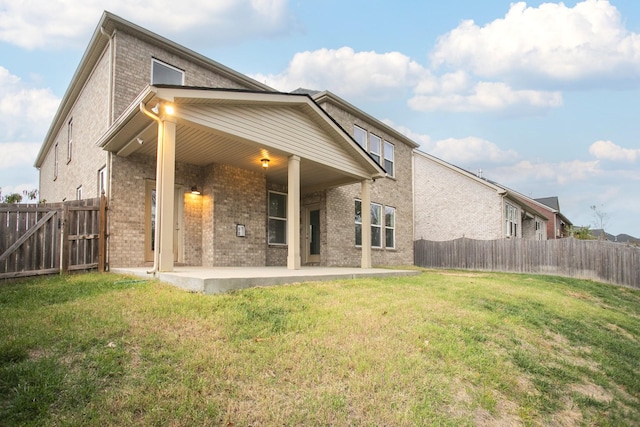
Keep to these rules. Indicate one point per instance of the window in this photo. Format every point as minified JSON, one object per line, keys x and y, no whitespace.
{"x":69,"y":139}
{"x":389,"y":155}
{"x":55,"y":162}
{"x":374,"y":147}
{"x":102,"y":181}
{"x":162,"y":73}
{"x":277,"y":218}
{"x":390,"y":227}
{"x":511,"y":220}
{"x":79,"y":193}
{"x":360,"y":135}
{"x":376,"y":224}
{"x":358,"y":217}
{"x":538,"y":229}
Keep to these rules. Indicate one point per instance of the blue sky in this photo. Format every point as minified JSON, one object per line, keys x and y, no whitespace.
{"x":543,"y":97}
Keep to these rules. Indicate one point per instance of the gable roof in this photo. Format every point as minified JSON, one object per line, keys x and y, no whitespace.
{"x":501,"y":190}
{"x":551,"y":202}
{"x":240,"y":127}
{"x":107,"y":26}
{"x":327,"y":96}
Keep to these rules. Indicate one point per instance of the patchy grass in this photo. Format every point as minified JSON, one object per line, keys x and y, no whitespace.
{"x":442,"y":348}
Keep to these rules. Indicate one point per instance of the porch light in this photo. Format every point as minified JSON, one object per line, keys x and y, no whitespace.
{"x":169,"y":109}
{"x":194,"y":190}
{"x":265,"y":163}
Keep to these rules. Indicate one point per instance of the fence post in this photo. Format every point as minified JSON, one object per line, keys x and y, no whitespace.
{"x":102,"y":235}
{"x":64,"y":240}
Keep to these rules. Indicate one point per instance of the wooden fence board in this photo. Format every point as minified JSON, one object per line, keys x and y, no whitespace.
{"x":49,"y":238}
{"x":596,"y":260}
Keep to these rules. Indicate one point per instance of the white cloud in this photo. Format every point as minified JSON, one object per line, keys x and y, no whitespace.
{"x":348,"y":73}
{"x":485,"y":97}
{"x":56,"y":23}
{"x":25,"y":112}
{"x":18,"y":154}
{"x":559,"y":173}
{"x":471,"y":150}
{"x":553,"y":42}
{"x":607,"y":150}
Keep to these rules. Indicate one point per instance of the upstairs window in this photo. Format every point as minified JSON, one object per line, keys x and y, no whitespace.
{"x":55,"y":162}
{"x":389,"y":156}
{"x":162,"y":73}
{"x":79,"y":193}
{"x":374,"y":147}
{"x":102,"y":181}
{"x":277,"y":218}
{"x":69,"y":139}
{"x":360,"y":135}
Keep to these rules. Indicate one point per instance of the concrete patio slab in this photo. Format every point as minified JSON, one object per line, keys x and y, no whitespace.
{"x":222,"y":279}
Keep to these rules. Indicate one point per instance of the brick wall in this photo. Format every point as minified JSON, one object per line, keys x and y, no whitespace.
{"x":395,"y":192}
{"x":449,"y":205}
{"x":90,"y":118}
{"x":239,"y":197}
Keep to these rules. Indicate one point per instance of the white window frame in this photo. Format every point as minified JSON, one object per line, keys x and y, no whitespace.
{"x":539,"y":226}
{"x":358,"y":222}
{"x":169,"y":66}
{"x":511,"y":220}
{"x":69,"y":139}
{"x":277,"y":218}
{"x":389,"y":227}
{"x":102,"y":181}
{"x":389,"y":158}
{"x":55,"y":162}
{"x":360,"y":136}
{"x":79,"y":193}
{"x":373,"y":150}
{"x":376,"y":225}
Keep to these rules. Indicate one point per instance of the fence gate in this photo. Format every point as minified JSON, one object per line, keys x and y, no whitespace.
{"x":38,"y":239}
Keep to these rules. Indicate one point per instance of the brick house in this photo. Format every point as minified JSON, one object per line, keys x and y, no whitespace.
{"x":450,"y":203}
{"x":205,"y":166}
{"x":558,"y":225}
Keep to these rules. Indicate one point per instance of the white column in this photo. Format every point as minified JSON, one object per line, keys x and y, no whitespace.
{"x":293,"y":213}
{"x":165,"y":184}
{"x":365,"y":197}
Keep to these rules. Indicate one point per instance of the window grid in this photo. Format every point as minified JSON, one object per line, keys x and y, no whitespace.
{"x":389,"y":158}
{"x":375,"y":143}
{"x":511,"y":220}
{"x":69,"y":139}
{"x":277,"y":218}
{"x":390,"y":227}
{"x":360,"y":135}
{"x":377,"y":225}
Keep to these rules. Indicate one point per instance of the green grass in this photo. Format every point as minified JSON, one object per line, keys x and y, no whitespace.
{"x":441,"y":348}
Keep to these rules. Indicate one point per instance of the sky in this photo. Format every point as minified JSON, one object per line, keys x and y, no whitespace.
{"x":543,"y":97}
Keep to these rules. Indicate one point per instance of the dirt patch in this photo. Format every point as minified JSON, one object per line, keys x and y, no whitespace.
{"x":617,"y":329}
{"x":593,"y":391}
{"x":569,"y":416}
{"x":505,"y":415}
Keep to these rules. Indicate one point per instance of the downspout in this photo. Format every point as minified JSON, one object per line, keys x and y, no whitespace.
{"x":156,"y":238}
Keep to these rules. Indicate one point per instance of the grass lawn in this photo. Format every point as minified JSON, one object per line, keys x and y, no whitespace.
{"x":441,"y":348}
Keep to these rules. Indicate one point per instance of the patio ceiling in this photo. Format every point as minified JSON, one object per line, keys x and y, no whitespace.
{"x":242,"y":128}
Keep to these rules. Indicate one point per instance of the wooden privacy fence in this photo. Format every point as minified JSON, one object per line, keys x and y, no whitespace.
{"x":585,"y":259}
{"x":48,"y":238}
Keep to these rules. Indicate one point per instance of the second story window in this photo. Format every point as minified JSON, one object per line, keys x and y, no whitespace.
{"x":55,"y":162}
{"x":389,"y":156}
{"x":360,"y":135}
{"x":374,"y":147}
{"x":162,"y":73}
{"x":69,"y":139}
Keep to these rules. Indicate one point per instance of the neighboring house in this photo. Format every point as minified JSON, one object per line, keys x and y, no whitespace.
{"x":558,"y":226}
{"x":282,"y":179}
{"x":450,"y":203}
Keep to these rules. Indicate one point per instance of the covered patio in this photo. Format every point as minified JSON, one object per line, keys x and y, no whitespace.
{"x":286,"y":139}
{"x":224,"y":279}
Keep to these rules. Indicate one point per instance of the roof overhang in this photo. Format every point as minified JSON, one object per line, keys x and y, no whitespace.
{"x":241,"y":128}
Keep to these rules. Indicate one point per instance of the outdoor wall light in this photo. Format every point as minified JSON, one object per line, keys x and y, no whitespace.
{"x":265,"y":163}
{"x":194,"y":190}
{"x":169,"y":109}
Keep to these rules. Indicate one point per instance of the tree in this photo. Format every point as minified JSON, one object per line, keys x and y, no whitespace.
{"x":601,"y":218}
{"x":17,"y":197}
{"x":581,"y":233}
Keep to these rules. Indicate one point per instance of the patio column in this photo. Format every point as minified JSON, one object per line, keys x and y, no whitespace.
{"x":365,"y":205}
{"x":165,"y":183}
{"x":293,"y":213}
